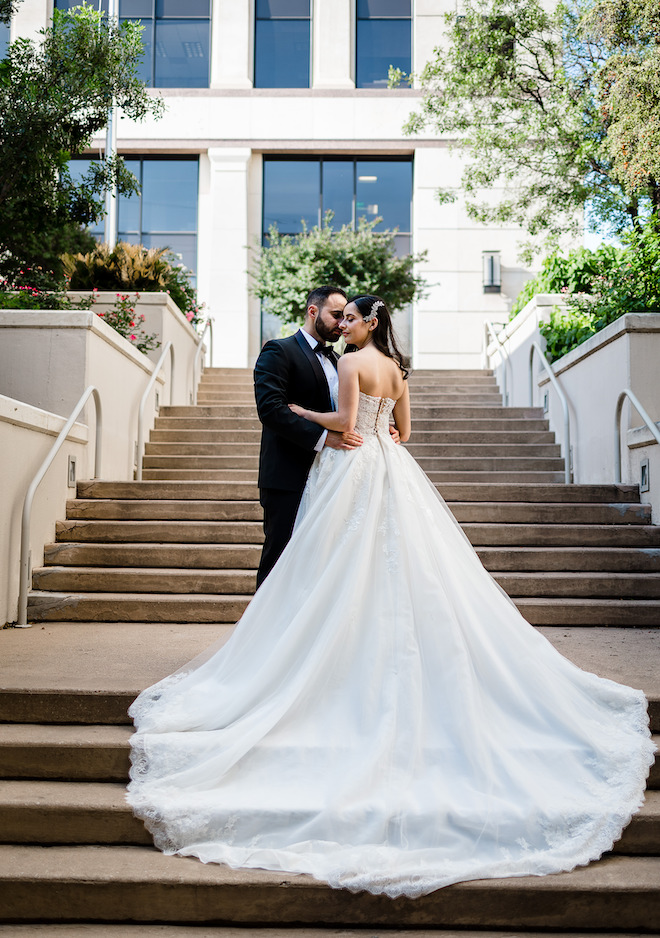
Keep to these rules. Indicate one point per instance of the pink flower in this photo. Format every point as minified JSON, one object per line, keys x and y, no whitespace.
{"x":189,"y":316}
{"x":101,"y":315}
{"x":133,"y":338}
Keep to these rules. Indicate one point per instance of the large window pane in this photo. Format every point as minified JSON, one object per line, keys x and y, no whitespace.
{"x":182,"y":9}
{"x":4,"y":39}
{"x":338,"y":185}
{"x":384,"y":188}
{"x":128,"y":209}
{"x":185,"y":245}
{"x":182,"y":54}
{"x":381,"y":43}
{"x":169,"y":195}
{"x":282,"y":54}
{"x":291,"y":193}
{"x":135,"y":9}
{"x":70,"y":4}
{"x":78,"y":169}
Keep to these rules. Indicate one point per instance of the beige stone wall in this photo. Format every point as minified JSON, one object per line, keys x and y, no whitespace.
{"x":26,"y":435}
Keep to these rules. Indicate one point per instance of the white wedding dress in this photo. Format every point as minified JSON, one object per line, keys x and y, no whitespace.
{"x":382,"y":717}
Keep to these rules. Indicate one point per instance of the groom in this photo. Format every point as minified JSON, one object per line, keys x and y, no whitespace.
{"x":300,"y":369}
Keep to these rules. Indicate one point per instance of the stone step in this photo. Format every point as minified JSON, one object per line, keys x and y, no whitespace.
{"x":438,"y":398}
{"x":87,"y":930}
{"x":139,"y":884}
{"x":151,"y":580}
{"x":438,"y":438}
{"x":420,"y":450}
{"x":235,"y":437}
{"x":250,"y":532}
{"x":643,"y":613}
{"x":423,"y":412}
{"x":213,"y":510}
{"x":200,"y":475}
{"x":55,"y":812}
{"x":169,"y":509}
{"x":65,"y":752}
{"x":485,"y":463}
{"x":134,"y":607}
{"x":177,"y":607}
{"x":246,"y":557}
{"x":100,"y":753}
{"x":587,"y":584}
{"x":504,"y":476}
{"x":204,"y":581}
{"x":457,"y":491}
{"x":180,"y":532}
{"x":197,"y":556}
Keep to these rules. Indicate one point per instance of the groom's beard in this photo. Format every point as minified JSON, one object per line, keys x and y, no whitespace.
{"x":328,"y":335}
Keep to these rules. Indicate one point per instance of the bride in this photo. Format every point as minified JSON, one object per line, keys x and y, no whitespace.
{"x":382,"y":717}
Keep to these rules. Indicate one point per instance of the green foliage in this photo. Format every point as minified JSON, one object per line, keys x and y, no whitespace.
{"x":54,"y":96}
{"x":358,"y":261}
{"x":128,"y":323}
{"x":629,"y":88}
{"x":7,"y":10}
{"x":566,"y":330}
{"x":534,"y":94}
{"x":33,"y":290}
{"x":574,"y":273}
{"x":625,"y":282}
{"x":132,"y":267}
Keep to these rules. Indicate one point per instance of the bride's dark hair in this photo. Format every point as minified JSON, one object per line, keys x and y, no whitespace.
{"x":383,"y":335}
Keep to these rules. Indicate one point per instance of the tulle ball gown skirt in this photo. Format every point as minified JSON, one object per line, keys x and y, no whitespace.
{"x":382,"y":717}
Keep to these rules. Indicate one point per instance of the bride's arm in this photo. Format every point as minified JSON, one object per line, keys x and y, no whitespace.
{"x":344,"y":417}
{"x":401,"y":414}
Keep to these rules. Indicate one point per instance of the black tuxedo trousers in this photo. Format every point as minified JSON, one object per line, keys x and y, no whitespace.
{"x":287,"y":371}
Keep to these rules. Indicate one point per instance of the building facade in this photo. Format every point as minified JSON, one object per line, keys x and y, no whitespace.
{"x":278,"y":110}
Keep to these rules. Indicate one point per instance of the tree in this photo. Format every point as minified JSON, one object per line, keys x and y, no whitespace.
{"x":358,"y":261}
{"x":629,"y":87}
{"x":7,"y":10}
{"x":54,"y":96}
{"x":519,"y":87}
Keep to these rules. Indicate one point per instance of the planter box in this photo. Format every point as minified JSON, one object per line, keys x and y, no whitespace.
{"x":623,"y":355}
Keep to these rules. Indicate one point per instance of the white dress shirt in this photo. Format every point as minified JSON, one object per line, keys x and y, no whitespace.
{"x":330,"y":373}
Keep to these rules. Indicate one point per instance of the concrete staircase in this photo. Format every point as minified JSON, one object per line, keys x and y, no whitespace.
{"x":143,"y":576}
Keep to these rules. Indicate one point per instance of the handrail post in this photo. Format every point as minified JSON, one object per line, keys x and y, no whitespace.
{"x":26,"y":518}
{"x":143,"y":402}
{"x":506,"y":361}
{"x":627,"y":393}
{"x":535,"y":347}
{"x":208,"y":327}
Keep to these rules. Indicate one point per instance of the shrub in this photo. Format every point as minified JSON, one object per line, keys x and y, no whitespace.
{"x":128,"y":323}
{"x":131,"y":268}
{"x":33,"y":289}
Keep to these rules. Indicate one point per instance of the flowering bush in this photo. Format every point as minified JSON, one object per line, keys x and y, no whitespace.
{"x":29,"y":290}
{"x":128,"y":323}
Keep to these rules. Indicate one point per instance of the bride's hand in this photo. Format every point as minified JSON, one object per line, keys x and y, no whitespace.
{"x":297,"y":409}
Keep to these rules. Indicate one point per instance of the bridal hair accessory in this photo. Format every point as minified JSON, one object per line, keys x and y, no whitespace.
{"x":372,"y":312}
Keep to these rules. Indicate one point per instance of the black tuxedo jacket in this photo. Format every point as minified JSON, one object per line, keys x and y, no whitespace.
{"x":288,"y":372}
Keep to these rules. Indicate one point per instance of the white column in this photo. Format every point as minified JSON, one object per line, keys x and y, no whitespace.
{"x":223,"y":251}
{"x":30,"y":17}
{"x":333,"y":43}
{"x":232,"y":30}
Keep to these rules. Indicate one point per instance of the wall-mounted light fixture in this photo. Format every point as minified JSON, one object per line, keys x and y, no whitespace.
{"x":491,"y":271}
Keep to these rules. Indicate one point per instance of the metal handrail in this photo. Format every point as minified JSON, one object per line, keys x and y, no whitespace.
{"x":24,"y":569}
{"x":143,"y":402}
{"x":489,"y":328}
{"x":564,"y":404}
{"x":207,"y":328}
{"x":627,"y":393}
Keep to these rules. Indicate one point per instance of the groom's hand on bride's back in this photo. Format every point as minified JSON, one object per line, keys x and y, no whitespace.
{"x":347,"y":440}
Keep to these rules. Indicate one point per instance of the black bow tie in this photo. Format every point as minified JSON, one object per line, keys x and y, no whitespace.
{"x":327,"y":350}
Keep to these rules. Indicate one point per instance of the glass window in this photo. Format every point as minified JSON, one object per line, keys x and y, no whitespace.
{"x":4,"y":39}
{"x":304,"y":189}
{"x":282,"y":44}
{"x":179,"y":56}
{"x":383,"y":39}
{"x":164,"y":214}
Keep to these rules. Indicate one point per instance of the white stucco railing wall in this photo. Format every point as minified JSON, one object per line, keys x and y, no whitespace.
{"x":26,"y":435}
{"x":623,"y":355}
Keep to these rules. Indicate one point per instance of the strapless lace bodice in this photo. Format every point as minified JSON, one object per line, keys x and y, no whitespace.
{"x":373,"y":416}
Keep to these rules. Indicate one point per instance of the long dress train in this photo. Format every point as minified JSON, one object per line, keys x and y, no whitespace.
{"x":382,"y":717}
